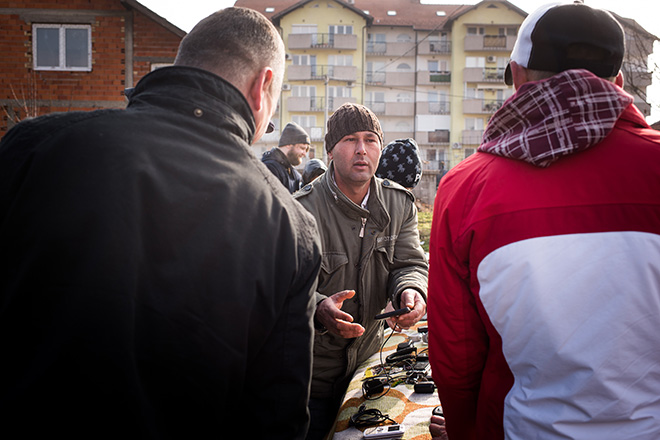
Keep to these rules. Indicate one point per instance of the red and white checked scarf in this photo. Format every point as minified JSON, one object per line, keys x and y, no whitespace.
{"x":561,"y":115}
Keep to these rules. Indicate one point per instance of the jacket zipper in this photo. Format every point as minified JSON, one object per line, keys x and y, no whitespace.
{"x":364,"y":222}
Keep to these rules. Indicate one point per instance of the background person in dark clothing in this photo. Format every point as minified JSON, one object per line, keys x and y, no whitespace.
{"x":313,"y":169}
{"x":400,"y":163}
{"x":293,"y":146}
{"x":143,"y":290}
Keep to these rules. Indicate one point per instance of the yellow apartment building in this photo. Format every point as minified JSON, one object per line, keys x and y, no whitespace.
{"x":430,"y":72}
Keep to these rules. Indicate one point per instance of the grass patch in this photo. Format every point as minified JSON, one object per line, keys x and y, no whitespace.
{"x":424,"y":218}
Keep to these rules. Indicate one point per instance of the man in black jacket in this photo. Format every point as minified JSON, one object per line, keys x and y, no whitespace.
{"x":293,"y":146}
{"x":156,"y":279}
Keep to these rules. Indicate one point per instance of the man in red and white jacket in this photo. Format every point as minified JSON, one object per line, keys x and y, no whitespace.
{"x":544,"y":284}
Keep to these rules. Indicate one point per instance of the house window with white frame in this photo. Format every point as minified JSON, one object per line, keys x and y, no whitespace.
{"x":340,"y":29}
{"x":62,"y":47}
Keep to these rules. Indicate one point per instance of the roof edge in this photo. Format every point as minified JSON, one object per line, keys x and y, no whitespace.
{"x":276,"y":17}
{"x":134,"y":4}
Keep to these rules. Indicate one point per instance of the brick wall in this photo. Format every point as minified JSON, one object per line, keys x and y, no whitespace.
{"x":25,"y":92}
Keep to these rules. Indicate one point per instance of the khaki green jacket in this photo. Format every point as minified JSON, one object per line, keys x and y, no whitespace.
{"x":379,"y":266}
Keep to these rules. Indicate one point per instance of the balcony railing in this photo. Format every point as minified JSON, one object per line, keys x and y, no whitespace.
{"x":320,"y":71}
{"x":438,"y":137}
{"x":322,"y":41}
{"x":440,"y":77}
{"x":375,"y":78}
{"x":435,"y":165}
{"x":378,"y":107}
{"x":315,"y":133}
{"x":374,"y":48}
{"x":472,"y":137}
{"x":483,"y":74}
{"x":483,"y":106}
{"x":306,"y":103}
{"x":439,"y":108}
{"x":443,"y":46}
{"x":489,"y":42}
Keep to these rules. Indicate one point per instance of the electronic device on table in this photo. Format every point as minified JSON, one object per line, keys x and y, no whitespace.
{"x":384,"y":431}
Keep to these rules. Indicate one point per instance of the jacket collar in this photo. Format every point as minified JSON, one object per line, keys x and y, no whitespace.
{"x":376,"y":212}
{"x":278,"y":156}
{"x":545,"y":120}
{"x":196,"y":94}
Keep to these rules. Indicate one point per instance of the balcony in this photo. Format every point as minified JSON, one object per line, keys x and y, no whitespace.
{"x":316,"y":103}
{"x":481,"y":106}
{"x":391,"y":108}
{"x":489,"y":42}
{"x":390,"y":49}
{"x":322,"y":41}
{"x":306,"y":103}
{"x":315,"y":133}
{"x":434,"y":165}
{"x":427,"y":78}
{"x":335,"y":102}
{"x":378,"y":107}
{"x":390,"y":79}
{"x":317,"y":71}
{"x":437,"y":137}
{"x":375,"y":78}
{"x":433,"y":108}
{"x":427,"y":47}
{"x":484,"y":74}
{"x":390,"y":135}
{"x":471,"y":137}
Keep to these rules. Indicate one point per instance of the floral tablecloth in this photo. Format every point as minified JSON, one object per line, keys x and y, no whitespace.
{"x":401,"y":403}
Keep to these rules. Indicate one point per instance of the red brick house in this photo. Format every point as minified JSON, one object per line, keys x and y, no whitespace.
{"x":65,"y":55}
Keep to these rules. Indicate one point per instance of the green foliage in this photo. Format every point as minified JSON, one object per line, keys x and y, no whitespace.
{"x":424,"y":218}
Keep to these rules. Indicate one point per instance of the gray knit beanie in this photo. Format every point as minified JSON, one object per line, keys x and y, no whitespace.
{"x":293,"y":134}
{"x":351,"y":118}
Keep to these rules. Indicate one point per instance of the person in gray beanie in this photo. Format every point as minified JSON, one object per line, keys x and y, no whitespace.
{"x":281,"y":160}
{"x":372,"y":258}
{"x":400,"y":163}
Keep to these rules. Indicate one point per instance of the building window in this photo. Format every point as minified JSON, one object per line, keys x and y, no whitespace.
{"x":307,"y":121}
{"x":62,"y":47}
{"x":469,"y":152}
{"x":340,"y":60}
{"x":340,"y":29}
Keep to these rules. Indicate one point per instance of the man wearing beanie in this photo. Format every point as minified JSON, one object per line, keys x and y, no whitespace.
{"x":400,"y":163}
{"x":371,"y":255}
{"x":293,"y":146}
{"x":544,"y":287}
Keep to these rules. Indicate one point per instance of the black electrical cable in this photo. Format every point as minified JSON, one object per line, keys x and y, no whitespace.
{"x":368,"y":417}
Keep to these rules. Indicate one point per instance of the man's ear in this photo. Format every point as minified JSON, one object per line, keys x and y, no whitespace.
{"x":519,"y":75}
{"x":619,"y":79}
{"x":259,"y":88}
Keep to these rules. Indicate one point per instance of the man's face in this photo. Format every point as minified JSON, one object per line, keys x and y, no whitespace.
{"x":355,"y":158}
{"x":296,"y":153}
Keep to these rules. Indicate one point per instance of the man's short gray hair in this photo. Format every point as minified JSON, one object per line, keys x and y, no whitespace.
{"x":232,"y":43}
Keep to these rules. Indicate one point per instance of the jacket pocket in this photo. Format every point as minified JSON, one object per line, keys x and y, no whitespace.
{"x":386,"y":251}
{"x":332,"y":261}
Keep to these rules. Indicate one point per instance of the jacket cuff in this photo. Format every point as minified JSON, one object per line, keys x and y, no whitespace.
{"x":319,"y":328}
{"x":396,"y":300}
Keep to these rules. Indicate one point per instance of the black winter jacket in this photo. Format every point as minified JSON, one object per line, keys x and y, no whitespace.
{"x":156,"y":279}
{"x":280,"y":166}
